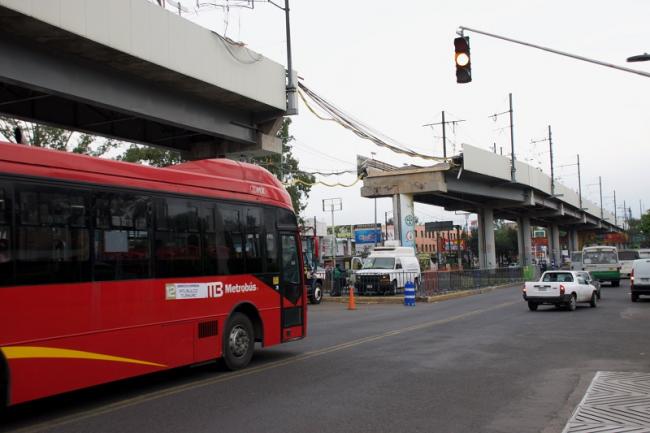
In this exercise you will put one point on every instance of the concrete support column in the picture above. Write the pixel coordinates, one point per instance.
(573, 240)
(486, 249)
(404, 219)
(555, 244)
(525, 242)
(528, 240)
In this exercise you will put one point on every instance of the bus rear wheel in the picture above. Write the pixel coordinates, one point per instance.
(616, 283)
(238, 342)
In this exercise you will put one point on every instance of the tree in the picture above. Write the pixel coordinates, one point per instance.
(644, 228)
(285, 168)
(54, 138)
(505, 240)
(153, 156)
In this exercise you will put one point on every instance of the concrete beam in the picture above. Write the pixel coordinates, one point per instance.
(478, 188)
(96, 96)
(390, 183)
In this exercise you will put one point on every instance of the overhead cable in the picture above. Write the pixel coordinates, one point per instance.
(347, 121)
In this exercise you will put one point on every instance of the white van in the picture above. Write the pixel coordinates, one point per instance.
(386, 270)
(640, 279)
(576, 260)
(627, 258)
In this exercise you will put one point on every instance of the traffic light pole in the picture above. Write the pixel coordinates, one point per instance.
(462, 29)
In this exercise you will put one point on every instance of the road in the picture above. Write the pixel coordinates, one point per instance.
(478, 364)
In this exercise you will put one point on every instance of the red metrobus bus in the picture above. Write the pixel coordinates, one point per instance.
(110, 270)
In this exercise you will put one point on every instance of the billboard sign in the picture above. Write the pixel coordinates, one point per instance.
(438, 226)
(367, 236)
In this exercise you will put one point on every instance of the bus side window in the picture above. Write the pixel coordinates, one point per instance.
(271, 244)
(6, 266)
(177, 241)
(233, 238)
(253, 227)
(122, 239)
(53, 238)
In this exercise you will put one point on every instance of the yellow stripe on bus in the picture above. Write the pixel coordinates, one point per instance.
(27, 352)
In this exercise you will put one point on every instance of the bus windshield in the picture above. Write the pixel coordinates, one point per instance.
(600, 257)
(628, 255)
(379, 263)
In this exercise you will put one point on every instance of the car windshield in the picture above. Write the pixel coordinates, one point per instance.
(600, 257)
(557, 277)
(379, 263)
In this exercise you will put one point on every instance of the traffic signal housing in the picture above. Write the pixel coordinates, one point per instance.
(463, 60)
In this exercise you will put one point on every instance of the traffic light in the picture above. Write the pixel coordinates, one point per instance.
(463, 61)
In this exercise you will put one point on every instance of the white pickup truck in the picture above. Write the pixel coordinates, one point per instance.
(560, 288)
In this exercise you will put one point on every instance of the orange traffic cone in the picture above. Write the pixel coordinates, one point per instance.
(352, 305)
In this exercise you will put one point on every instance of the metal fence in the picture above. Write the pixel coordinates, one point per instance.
(427, 283)
(437, 282)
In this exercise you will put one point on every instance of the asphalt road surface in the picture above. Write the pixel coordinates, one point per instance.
(478, 364)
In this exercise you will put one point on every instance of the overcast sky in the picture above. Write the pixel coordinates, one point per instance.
(390, 64)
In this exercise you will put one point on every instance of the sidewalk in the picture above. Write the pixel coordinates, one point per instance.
(399, 299)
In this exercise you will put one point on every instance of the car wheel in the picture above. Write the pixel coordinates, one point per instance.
(571, 306)
(532, 306)
(393, 288)
(598, 294)
(317, 296)
(238, 342)
(592, 302)
(634, 297)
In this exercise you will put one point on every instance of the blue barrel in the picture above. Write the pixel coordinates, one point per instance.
(409, 294)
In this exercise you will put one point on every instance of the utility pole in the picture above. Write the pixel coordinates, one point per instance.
(550, 146)
(627, 222)
(600, 187)
(513, 169)
(444, 124)
(579, 181)
(332, 205)
(615, 217)
(640, 209)
(375, 227)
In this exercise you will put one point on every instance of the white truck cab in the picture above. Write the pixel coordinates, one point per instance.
(560, 288)
(386, 270)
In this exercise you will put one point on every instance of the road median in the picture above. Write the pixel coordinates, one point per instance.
(399, 299)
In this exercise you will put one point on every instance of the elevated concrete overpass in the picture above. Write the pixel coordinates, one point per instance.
(131, 70)
(480, 182)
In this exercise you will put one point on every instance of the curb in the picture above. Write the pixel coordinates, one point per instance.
(399, 299)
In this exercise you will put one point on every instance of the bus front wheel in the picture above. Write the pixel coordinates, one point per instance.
(238, 342)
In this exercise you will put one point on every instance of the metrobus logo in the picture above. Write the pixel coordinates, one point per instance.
(217, 289)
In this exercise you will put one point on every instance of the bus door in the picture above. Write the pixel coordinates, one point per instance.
(291, 288)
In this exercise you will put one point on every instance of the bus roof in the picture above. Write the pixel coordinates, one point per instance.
(599, 248)
(221, 178)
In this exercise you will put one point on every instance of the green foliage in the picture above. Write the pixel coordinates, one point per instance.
(644, 228)
(55, 138)
(505, 240)
(150, 155)
(285, 168)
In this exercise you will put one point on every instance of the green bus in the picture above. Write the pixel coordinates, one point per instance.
(603, 264)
